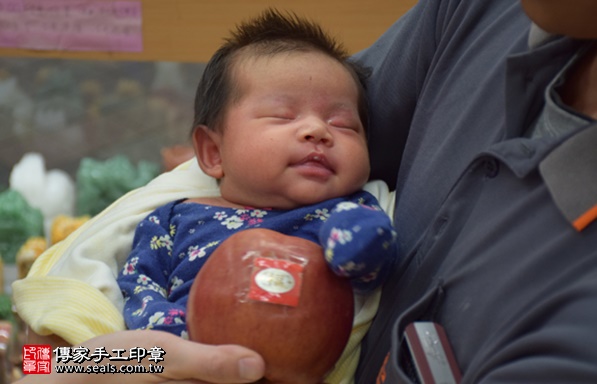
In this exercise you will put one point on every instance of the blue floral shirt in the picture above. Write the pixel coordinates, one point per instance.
(173, 242)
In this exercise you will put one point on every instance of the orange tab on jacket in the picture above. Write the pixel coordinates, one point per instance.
(570, 173)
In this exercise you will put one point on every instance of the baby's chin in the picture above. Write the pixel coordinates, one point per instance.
(306, 201)
(286, 201)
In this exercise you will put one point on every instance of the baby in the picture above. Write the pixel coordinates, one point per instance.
(280, 122)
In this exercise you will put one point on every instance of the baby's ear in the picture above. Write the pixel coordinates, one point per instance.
(207, 149)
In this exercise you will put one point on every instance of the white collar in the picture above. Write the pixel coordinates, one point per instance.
(538, 37)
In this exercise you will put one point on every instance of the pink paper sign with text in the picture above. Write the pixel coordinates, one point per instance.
(71, 25)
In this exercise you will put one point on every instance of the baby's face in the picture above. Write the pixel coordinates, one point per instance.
(294, 137)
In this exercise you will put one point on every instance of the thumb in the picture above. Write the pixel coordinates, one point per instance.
(214, 364)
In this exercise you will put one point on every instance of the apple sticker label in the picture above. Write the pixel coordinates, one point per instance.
(276, 281)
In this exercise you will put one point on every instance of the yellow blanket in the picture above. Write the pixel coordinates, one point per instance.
(71, 290)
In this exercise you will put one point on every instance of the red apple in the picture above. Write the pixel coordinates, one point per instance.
(300, 340)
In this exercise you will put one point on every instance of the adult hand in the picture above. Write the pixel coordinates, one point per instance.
(184, 361)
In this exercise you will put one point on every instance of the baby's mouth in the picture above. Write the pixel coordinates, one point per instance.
(315, 164)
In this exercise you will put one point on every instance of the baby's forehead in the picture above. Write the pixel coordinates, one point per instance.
(248, 59)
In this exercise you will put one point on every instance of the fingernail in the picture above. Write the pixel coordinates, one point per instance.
(250, 368)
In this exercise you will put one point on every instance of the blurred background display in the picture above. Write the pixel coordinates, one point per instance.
(68, 110)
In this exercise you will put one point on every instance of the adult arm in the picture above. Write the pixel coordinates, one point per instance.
(399, 61)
